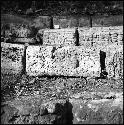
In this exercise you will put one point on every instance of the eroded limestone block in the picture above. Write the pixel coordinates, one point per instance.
(89, 62)
(67, 61)
(59, 37)
(11, 58)
(115, 20)
(114, 60)
(62, 21)
(70, 21)
(38, 58)
(42, 22)
(99, 37)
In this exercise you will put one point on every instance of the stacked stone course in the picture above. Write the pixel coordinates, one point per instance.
(59, 55)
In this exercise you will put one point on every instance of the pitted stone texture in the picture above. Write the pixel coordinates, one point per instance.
(71, 21)
(114, 60)
(19, 30)
(99, 37)
(89, 62)
(67, 61)
(42, 22)
(59, 37)
(24, 40)
(38, 58)
(115, 20)
(11, 58)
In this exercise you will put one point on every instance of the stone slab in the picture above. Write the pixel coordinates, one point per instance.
(42, 22)
(59, 37)
(11, 58)
(71, 21)
(115, 20)
(99, 37)
(67, 61)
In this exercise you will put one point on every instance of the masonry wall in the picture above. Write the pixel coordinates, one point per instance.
(59, 54)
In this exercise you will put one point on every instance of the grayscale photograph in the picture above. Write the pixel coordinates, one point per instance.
(61, 62)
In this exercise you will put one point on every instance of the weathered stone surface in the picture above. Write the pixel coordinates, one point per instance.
(114, 60)
(38, 58)
(24, 40)
(67, 61)
(70, 21)
(116, 20)
(99, 37)
(11, 58)
(89, 64)
(62, 21)
(42, 22)
(59, 37)
(84, 22)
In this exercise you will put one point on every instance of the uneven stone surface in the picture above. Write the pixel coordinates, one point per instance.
(114, 20)
(11, 58)
(100, 37)
(70, 22)
(41, 22)
(114, 60)
(59, 37)
(67, 61)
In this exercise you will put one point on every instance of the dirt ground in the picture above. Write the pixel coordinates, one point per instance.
(24, 88)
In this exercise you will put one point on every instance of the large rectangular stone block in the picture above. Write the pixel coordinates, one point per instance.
(116, 20)
(42, 22)
(62, 21)
(100, 37)
(67, 61)
(71, 21)
(59, 37)
(11, 58)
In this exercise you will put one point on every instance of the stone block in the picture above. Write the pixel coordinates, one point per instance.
(107, 20)
(59, 37)
(114, 60)
(11, 58)
(62, 21)
(99, 37)
(42, 22)
(84, 22)
(67, 61)
(70, 21)
(38, 58)
(89, 62)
